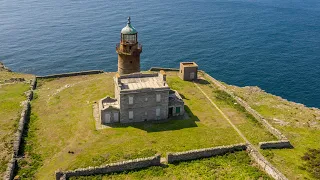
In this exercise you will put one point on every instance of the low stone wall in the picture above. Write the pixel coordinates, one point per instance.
(8, 175)
(275, 144)
(109, 168)
(254, 113)
(19, 133)
(18, 136)
(203, 153)
(71, 74)
(264, 164)
(165, 69)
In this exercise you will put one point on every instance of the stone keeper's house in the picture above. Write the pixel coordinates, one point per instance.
(140, 97)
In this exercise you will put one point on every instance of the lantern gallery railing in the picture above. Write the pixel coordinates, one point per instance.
(129, 50)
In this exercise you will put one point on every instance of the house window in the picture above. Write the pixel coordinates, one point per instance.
(130, 99)
(177, 110)
(158, 112)
(107, 118)
(130, 114)
(158, 97)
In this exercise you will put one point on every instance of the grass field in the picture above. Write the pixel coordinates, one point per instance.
(11, 96)
(4, 75)
(300, 125)
(62, 132)
(247, 124)
(231, 166)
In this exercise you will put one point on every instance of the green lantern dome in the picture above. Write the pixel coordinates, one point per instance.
(129, 29)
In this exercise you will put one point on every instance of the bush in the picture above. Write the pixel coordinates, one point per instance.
(312, 162)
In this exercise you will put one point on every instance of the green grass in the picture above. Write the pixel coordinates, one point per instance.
(63, 122)
(7, 75)
(311, 162)
(245, 122)
(298, 123)
(230, 166)
(10, 98)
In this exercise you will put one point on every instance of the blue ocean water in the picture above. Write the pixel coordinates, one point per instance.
(268, 43)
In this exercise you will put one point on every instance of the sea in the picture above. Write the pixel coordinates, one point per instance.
(273, 44)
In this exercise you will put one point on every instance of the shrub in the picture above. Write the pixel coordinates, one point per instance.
(312, 162)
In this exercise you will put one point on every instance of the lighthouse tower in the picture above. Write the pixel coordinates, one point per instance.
(128, 50)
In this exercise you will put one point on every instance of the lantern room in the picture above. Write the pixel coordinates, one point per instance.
(129, 34)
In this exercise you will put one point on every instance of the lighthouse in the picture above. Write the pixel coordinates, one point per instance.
(128, 50)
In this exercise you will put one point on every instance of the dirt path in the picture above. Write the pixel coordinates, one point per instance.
(224, 115)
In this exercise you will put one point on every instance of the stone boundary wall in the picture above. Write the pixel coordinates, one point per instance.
(71, 74)
(254, 113)
(113, 167)
(203, 153)
(264, 164)
(165, 69)
(275, 144)
(18, 136)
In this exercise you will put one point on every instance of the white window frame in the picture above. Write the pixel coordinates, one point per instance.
(130, 99)
(158, 111)
(158, 97)
(130, 114)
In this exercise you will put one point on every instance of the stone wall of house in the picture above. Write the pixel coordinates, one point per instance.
(144, 106)
(254, 113)
(18, 136)
(71, 74)
(275, 144)
(264, 164)
(114, 167)
(203, 153)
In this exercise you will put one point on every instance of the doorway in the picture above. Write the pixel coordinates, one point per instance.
(170, 111)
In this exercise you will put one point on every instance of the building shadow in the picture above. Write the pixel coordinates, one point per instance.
(183, 97)
(173, 123)
(201, 81)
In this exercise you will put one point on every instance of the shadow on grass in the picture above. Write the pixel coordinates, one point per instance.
(202, 81)
(173, 123)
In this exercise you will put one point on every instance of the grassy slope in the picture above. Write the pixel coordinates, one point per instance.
(11, 95)
(7, 75)
(62, 121)
(247, 124)
(230, 166)
(299, 123)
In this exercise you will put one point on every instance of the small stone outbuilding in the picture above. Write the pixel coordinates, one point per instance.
(188, 71)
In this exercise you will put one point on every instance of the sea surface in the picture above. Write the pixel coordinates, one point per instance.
(273, 44)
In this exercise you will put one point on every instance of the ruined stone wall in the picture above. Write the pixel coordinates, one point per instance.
(18, 136)
(114, 167)
(71, 74)
(203, 153)
(264, 164)
(254, 113)
(275, 144)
